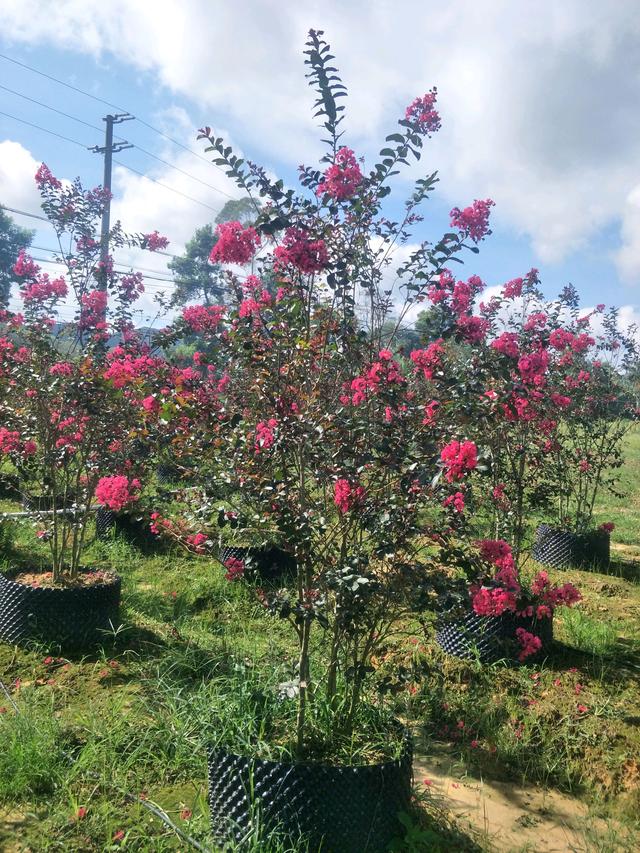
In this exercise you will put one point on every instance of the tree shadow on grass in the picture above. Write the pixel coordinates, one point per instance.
(618, 666)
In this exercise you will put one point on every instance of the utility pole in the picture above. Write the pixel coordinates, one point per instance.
(108, 151)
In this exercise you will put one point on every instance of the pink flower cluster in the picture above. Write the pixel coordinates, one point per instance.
(297, 250)
(45, 178)
(117, 492)
(473, 220)
(459, 458)
(532, 367)
(473, 329)
(9, 441)
(154, 242)
(43, 289)
(236, 245)
(385, 371)
(203, 318)
(265, 434)
(125, 368)
(342, 179)
(530, 644)
(346, 496)
(428, 360)
(421, 112)
(456, 501)
(507, 344)
(235, 569)
(25, 266)
(93, 309)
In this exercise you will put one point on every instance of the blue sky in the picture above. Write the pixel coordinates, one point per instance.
(539, 108)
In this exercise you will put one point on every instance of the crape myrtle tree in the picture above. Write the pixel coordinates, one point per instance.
(71, 419)
(329, 439)
(541, 386)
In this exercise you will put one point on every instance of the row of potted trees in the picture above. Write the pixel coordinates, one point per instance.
(385, 479)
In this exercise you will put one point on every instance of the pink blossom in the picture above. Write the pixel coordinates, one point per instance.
(25, 266)
(43, 289)
(530, 644)
(342, 179)
(154, 242)
(308, 256)
(117, 491)
(61, 368)
(473, 220)
(428, 360)
(507, 344)
(513, 288)
(203, 318)
(265, 434)
(421, 113)
(456, 501)
(93, 308)
(45, 178)
(236, 245)
(9, 441)
(235, 569)
(458, 458)
(151, 404)
(473, 329)
(345, 496)
(608, 527)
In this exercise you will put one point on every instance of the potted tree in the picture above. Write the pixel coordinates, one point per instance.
(587, 457)
(325, 436)
(508, 618)
(69, 419)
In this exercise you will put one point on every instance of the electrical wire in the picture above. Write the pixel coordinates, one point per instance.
(45, 130)
(167, 187)
(113, 106)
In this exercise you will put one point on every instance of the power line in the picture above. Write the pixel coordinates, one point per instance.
(113, 106)
(44, 129)
(44, 219)
(166, 186)
(53, 109)
(138, 147)
(61, 82)
(178, 169)
(119, 162)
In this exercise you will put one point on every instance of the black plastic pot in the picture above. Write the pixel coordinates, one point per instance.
(269, 563)
(492, 638)
(564, 549)
(71, 617)
(134, 529)
(335, 809)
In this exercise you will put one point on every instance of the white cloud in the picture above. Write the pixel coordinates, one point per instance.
(537, 97)
(17, 186)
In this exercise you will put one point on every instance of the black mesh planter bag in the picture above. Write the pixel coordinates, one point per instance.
(134, 529)
(71, 617)
(269, 563)
(492, 638)
(563, 549)
(336, 809)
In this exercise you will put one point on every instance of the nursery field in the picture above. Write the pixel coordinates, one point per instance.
(530, 758)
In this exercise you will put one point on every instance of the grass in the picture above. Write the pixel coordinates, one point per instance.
(193, 663)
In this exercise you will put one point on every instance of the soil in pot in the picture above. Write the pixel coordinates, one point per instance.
(335, 809)
(71, 613)
(563, 549)
(492, 638)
